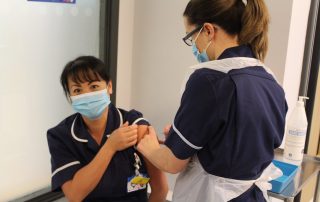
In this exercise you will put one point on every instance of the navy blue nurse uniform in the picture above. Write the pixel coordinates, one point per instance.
(72, 147)
(232, 121)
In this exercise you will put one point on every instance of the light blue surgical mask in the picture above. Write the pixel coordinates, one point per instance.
(201, 57)
(91, 105)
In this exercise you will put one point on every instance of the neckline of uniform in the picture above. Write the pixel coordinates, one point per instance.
(78, 125)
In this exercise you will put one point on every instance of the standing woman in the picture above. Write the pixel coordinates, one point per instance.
(92, 153)
(232, 111)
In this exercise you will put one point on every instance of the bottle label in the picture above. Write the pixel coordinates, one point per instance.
(298, 133)
(296, 137)
(294, 144)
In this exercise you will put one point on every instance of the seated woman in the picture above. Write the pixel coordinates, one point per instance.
(92, 151)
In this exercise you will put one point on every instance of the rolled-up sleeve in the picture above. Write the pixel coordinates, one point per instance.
(136, 117)
(193, 121)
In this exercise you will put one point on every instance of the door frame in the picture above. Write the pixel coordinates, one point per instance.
(108, 50)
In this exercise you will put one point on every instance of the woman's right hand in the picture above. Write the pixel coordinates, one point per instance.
(123, 137)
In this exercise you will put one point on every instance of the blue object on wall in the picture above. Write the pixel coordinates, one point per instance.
(56, 1)
(289, 171)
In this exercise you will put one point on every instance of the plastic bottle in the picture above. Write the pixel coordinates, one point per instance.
(296, 132)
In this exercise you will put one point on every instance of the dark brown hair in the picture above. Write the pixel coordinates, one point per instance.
(250, 22)
(83, 69)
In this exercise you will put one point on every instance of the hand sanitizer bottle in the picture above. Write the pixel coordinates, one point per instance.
(296, 132)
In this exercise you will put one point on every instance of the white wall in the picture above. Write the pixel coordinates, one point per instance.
(288, 29)
(294, 57)
(280, 15)
(160, 59)
(125, 52)
(36, 41)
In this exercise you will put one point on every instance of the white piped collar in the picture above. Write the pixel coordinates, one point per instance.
(85, 140)
(74, 135)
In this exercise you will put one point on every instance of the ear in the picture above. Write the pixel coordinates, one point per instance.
(209, 30)
(109, 87)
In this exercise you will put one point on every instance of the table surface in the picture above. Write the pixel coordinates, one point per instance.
(309, 168)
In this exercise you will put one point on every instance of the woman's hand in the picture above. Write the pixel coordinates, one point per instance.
(123, 137)
(160, 157)
(149, 143)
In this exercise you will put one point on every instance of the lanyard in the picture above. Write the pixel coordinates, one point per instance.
(137, 163)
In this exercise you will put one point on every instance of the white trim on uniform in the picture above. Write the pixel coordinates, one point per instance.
(74, 135)
(121, 118)
(139, 119)
(184, 139)
(121, 122)
(64, 167)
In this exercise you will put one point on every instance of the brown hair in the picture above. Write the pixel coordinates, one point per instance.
(82, 69)
(250, 22)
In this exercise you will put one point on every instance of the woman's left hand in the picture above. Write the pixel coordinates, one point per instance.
(149, 143)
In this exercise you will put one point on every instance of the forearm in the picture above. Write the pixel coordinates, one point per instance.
(87, 178)
(165, 160)
(161, 157)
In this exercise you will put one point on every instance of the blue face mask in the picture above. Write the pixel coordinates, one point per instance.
(92, 104)
(201, 57)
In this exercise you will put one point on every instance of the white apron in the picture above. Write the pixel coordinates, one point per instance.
(225, 65)
(194, 184)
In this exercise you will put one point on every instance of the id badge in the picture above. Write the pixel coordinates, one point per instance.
(137, 182)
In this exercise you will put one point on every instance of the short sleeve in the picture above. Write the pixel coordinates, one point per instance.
(63, 163)
(136, 117)
(194, 119)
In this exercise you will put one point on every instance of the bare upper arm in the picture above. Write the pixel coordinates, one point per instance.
(157, 177)
(175, 165)
(66, 188)
(142, 131)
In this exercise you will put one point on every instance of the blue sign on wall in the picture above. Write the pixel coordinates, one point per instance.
(57, 1)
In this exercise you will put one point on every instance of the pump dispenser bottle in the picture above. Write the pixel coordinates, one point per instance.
(296, 132)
